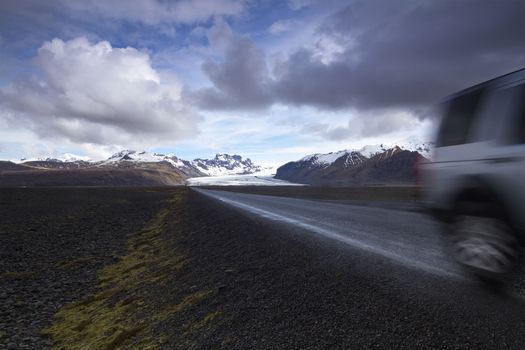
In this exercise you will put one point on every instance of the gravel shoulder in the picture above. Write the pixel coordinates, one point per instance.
(52, 243)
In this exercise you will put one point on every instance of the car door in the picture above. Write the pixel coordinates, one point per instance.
(457, 154)
(504, 154)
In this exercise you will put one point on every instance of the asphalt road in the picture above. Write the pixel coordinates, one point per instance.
(406, 238)
(400, 250)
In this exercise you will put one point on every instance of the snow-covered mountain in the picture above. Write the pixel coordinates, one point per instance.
(65, 158)
(131, 158)
(366, 165)
(220, 165)
(356, 156)
(351, 156)
(423, 148)
(225, 164)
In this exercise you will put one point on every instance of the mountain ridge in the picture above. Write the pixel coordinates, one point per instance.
(221, 164)
(124, 168)
(369, 165)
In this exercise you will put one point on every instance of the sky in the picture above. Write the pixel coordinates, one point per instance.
(269, 80)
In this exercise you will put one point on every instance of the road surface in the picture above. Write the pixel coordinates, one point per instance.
(370, 272)
(404, 237)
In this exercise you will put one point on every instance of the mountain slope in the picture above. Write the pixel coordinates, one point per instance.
(221, 164)
(57, 164)
(225, 164)
(89, 177)
(125, 168)
(10, 166)
(133, 159)
(354, 167)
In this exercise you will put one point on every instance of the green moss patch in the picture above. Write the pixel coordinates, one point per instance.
(75, 262)
(121, 313)
(17, 274)
(189, 301)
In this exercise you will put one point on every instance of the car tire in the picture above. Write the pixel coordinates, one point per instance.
(483, 242)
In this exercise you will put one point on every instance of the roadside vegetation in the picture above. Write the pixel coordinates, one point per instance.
(125, 311)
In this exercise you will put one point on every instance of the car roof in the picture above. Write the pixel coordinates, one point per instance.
(504, 79)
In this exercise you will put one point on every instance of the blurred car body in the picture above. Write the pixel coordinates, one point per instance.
(475, 182)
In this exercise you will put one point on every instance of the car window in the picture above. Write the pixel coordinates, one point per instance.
(458, 118)
(519, 117)
(498, 115)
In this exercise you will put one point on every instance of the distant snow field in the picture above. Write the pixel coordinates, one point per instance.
(239, 180)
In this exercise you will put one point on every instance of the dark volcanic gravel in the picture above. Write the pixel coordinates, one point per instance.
(52, 242)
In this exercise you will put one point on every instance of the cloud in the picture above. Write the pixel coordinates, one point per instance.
(153, 12)
(155, 24)
(94, 93)
(364, 124)
(149, 12)
(299, 4)
(282, 26)
(240, 80)
(374, 55)
(406, 54)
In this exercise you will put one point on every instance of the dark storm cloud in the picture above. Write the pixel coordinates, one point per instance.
(241, 80)
(409, 52)
(380, 54)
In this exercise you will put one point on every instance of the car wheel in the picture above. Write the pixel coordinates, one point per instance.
(485, 245)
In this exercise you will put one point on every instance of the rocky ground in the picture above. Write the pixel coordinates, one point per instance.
(52, 242)
(173, 269)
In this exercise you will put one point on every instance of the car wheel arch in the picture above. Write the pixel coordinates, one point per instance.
(477, 189)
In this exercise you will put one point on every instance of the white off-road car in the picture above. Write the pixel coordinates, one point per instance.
(475, 182)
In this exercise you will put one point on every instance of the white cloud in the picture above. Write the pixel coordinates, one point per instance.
(357, 127)
(329, 49)
(282, 26)
(94, 93)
